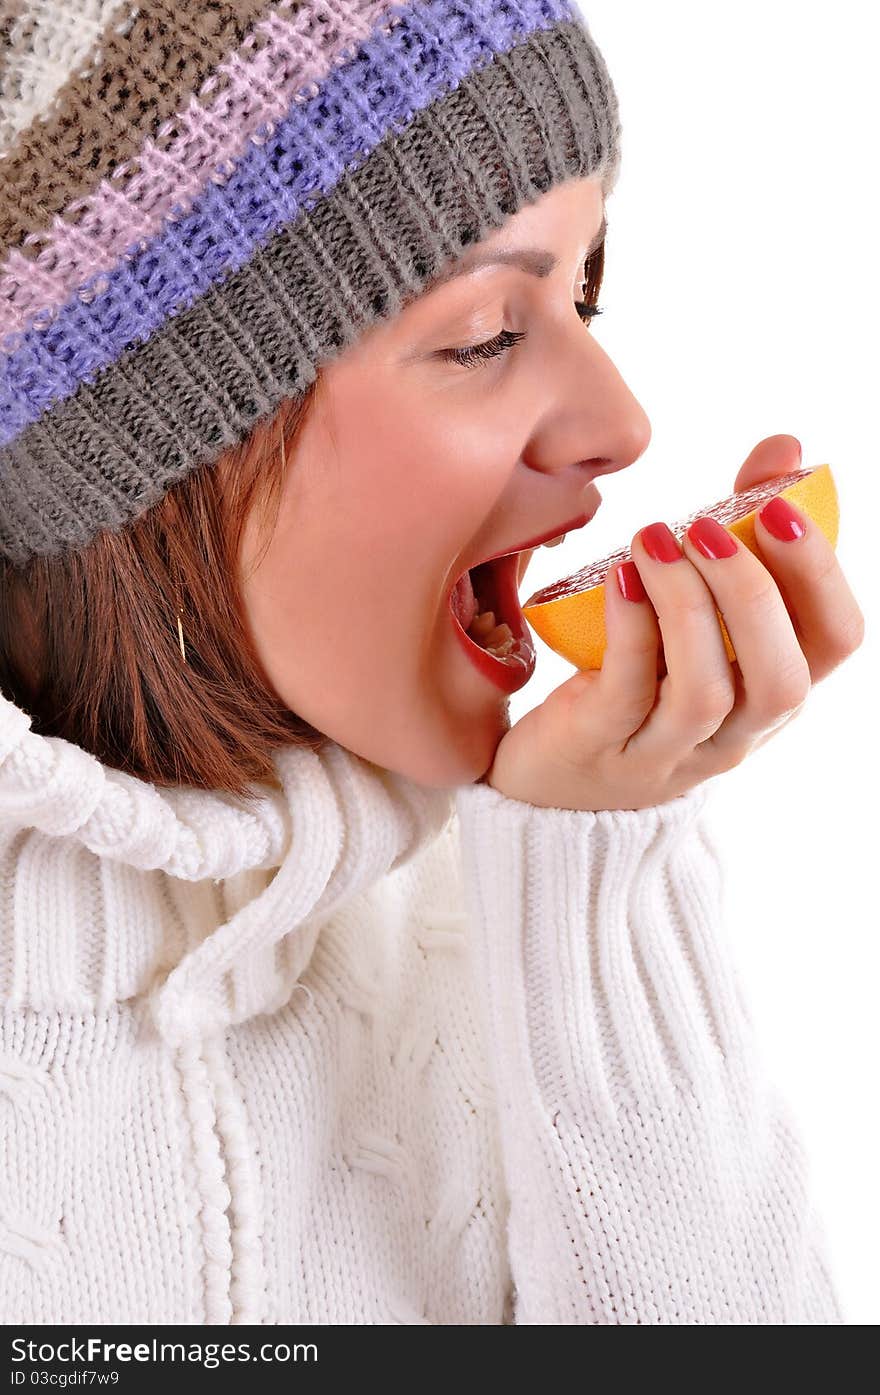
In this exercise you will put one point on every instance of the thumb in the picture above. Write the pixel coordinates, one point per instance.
(774, 456)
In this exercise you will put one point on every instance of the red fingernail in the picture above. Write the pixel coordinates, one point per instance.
(629, 582)
(660, 543)
(783, 521)
(709, 538)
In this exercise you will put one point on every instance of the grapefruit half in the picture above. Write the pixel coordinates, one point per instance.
(569, 615)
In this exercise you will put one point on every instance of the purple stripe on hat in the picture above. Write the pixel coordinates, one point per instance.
(434, 47)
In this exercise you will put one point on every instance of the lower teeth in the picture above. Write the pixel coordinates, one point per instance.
(497, 640)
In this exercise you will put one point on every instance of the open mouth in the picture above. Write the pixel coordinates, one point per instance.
(490, 625)
(485, 603)
(487, 615)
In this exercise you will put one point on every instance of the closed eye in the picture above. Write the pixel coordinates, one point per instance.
(477, 353)
(587, 308)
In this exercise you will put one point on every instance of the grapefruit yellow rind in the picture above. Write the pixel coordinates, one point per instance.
(573, 624)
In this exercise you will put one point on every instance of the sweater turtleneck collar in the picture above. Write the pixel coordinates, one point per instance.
(93, 862)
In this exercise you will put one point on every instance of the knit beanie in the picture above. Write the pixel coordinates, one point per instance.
(201, 203)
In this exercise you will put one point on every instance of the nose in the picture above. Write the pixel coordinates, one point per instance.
(593, 417)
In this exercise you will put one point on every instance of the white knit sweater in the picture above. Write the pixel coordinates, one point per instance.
(375, 1053)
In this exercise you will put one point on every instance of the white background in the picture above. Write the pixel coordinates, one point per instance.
(741, 300)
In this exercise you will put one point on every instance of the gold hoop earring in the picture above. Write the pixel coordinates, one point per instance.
(179, 619)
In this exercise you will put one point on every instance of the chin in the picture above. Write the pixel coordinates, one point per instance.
(446, 765)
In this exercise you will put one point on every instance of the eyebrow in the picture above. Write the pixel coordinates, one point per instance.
(534, 260)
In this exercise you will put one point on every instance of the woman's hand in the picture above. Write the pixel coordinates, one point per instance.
(618, 738)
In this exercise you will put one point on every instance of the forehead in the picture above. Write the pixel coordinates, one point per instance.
(537, 261)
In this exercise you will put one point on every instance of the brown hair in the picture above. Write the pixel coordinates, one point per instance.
(89, 643)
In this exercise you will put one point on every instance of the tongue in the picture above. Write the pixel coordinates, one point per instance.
(464, 602)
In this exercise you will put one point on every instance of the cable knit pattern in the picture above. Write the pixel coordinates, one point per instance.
(672, 1185)
(367, 1052)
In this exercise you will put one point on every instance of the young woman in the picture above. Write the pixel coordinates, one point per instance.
(327, 996)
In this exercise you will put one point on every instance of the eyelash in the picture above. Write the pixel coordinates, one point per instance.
(475, 353)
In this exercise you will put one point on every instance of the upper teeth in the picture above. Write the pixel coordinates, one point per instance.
(554, 542)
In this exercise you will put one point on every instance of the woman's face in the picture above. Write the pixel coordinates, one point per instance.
(409, 469)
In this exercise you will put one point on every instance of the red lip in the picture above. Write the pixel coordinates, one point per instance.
(579, 522)
(590, 502)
